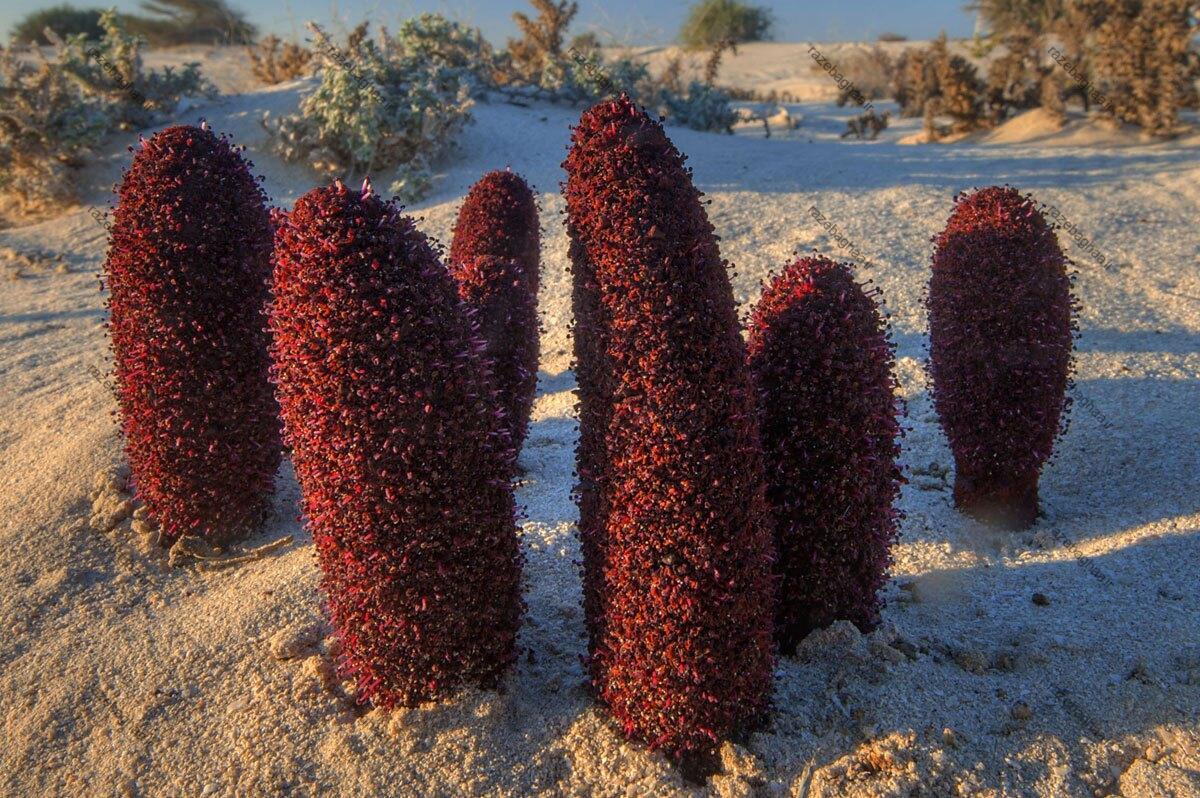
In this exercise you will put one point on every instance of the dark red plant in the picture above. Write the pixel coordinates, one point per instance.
(494, 259)
(822, 363)
(188, 261)
(404, 473)
(675, 535)
(499, 218)
(1001, 331)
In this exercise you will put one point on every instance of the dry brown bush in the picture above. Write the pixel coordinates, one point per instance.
(276, 61)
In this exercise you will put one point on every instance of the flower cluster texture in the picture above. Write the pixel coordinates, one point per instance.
(188, 262)
(676, 539)
(388, 407)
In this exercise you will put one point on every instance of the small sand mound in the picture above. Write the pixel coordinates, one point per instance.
(1041, 127)
(1048, 129)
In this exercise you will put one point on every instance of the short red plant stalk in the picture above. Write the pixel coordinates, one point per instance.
(494, 259)
(1001, 323)
(822, 364)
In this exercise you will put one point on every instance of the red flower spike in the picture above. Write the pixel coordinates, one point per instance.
(403, 471)
(677, 549)
(187, 267)
(1001, 328)
(822, 364)
(494, 258)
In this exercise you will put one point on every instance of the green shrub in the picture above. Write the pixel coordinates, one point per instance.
(712, 21)
(378, 106)
(54, 111)
(64, 19)
(704, 107)
(433, 39)
(189, 21)
(110, 69)
(46, 129)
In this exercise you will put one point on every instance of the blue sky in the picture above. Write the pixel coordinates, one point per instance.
(630, 21)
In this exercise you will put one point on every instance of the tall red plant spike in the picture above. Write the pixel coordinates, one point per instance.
(673, 516)
(494, 258)
(1001, 332)
(822, 363)
(404, 474)
(188, 260)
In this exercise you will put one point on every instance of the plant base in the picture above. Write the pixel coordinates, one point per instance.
(1010, 504)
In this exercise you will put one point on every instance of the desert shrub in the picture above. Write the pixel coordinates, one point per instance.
(716, 54)
(536, 66)
(377, 107)
(958, 93)
(671, 76)
(188, 261)
(1015, 79)
(673, 524)
(541, 37)
(913, 82)
(711, 21)
(888, 36)
(1131, 57)
(1142, 60)
(54, 111)
(189, 21)
(700, 105)
(1007, 17)
(433, 39)
(586, 44)
(495, 260)
(403, 474)
(867, 126)
(1001, 333)
(1073, 27)
(110, 70)
(934, 82)
(63, 19)
(868, 75)
(578, 78)
(276, 61)
(46, 129)
(822, 365)
(1022, 77)
(702, 108)
(773, 96)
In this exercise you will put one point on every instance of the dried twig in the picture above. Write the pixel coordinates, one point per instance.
(184, 550)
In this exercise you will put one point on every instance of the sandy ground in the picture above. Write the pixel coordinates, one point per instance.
(1064, 661)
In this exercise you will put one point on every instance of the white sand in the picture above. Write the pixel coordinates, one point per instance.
(782, 67)
(120, 675)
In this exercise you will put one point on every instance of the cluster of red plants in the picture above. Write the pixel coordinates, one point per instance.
(1001, 331)
(674, 522)
(188, 261)
(821, 361)
(494, 258)
(397, 445)
(725, 491)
